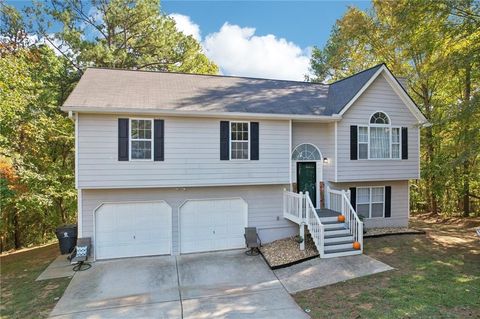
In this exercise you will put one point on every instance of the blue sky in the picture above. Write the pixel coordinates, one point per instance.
(306, 23)
(268, 39)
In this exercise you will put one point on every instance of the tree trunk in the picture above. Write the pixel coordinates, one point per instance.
(466, 166)
(16, 231)
(430, 148)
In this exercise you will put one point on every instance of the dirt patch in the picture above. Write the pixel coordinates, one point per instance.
(450, 232)
(287, 251)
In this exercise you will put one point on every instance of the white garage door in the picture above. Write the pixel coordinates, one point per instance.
(207, 225)
(133, 229)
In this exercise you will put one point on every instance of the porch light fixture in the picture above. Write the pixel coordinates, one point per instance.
(325, 160)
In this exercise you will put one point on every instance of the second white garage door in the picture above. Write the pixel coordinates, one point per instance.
(208, 225)
(133, 229)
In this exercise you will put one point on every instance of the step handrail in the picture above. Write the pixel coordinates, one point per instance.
(314, 225)
(353, 222)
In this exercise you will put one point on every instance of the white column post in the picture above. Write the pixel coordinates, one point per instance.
(360, 235)
(304, 216)
(307, 196)
(300, 208)
(327, 197)
(302, 235)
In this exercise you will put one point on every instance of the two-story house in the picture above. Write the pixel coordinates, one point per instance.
(170, 163)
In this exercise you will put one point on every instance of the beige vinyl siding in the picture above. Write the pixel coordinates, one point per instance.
(192, 156)
(399, 205)
(378, 97)
(322, 136)
(265, 210)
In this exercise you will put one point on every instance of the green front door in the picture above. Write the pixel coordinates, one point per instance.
(307, 179)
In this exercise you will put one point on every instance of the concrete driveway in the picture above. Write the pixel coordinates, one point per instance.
(211, 285)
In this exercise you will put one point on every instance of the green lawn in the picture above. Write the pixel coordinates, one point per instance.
(437, 276)
(21, 295)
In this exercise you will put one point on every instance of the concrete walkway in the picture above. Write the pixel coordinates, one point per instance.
(211, 285)
(322, 272)
(59, 268)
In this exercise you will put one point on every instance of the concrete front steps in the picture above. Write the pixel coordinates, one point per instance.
(338, 241)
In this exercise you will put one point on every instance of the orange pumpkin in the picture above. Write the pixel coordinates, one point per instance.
(341, 218)
(356, 245)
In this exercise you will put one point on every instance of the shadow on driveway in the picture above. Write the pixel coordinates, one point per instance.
(210, 285)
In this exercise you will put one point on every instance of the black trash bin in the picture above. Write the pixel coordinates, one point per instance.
(67, 238)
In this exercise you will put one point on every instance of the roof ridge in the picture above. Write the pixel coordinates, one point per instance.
(209, 75)
(358, 73)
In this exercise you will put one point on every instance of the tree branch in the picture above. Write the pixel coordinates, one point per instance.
(62, 53)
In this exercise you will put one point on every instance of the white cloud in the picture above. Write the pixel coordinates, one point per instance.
(186, 25)
(238, 51)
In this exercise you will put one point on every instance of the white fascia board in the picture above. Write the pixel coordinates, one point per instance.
(398, 90)
(137, 111)
(75, 119)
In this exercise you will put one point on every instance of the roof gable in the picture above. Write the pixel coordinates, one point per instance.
(396, 87)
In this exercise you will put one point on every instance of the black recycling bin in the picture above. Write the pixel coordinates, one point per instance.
(67, 238)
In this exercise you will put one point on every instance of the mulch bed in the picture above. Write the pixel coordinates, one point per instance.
(286, 252)
(390, 231)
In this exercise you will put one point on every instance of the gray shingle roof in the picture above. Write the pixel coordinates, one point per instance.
(117, 89)
(342, 91)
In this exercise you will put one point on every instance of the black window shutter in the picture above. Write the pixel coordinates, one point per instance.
(224, 140)
(353, 142)
(158, 140)
(404, 143)
(353, 197)
(388, 201)
(254, 145)
(123, 139)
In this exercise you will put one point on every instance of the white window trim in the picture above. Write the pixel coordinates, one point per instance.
(390, 127)
(370, 201)
(141, 139)
(230, 140)
(399, 142)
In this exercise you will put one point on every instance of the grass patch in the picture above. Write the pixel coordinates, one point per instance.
(21, 295)
(436, 276)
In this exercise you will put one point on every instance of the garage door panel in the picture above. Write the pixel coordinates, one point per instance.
(132, 229)
(208, 225)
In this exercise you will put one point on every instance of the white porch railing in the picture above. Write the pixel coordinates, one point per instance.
(315, 226)
(293, 206)
(339, 201)
(298, 207)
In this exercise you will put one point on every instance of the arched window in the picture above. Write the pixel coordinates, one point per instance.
(306, 152)
(379, 118)
(379, 140)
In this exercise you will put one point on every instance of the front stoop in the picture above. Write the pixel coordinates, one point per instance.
(338, 241)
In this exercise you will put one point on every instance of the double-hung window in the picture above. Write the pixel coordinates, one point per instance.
(239, 140)
(379, 140)
(371, 202)
(141, 139)
(395, 142)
